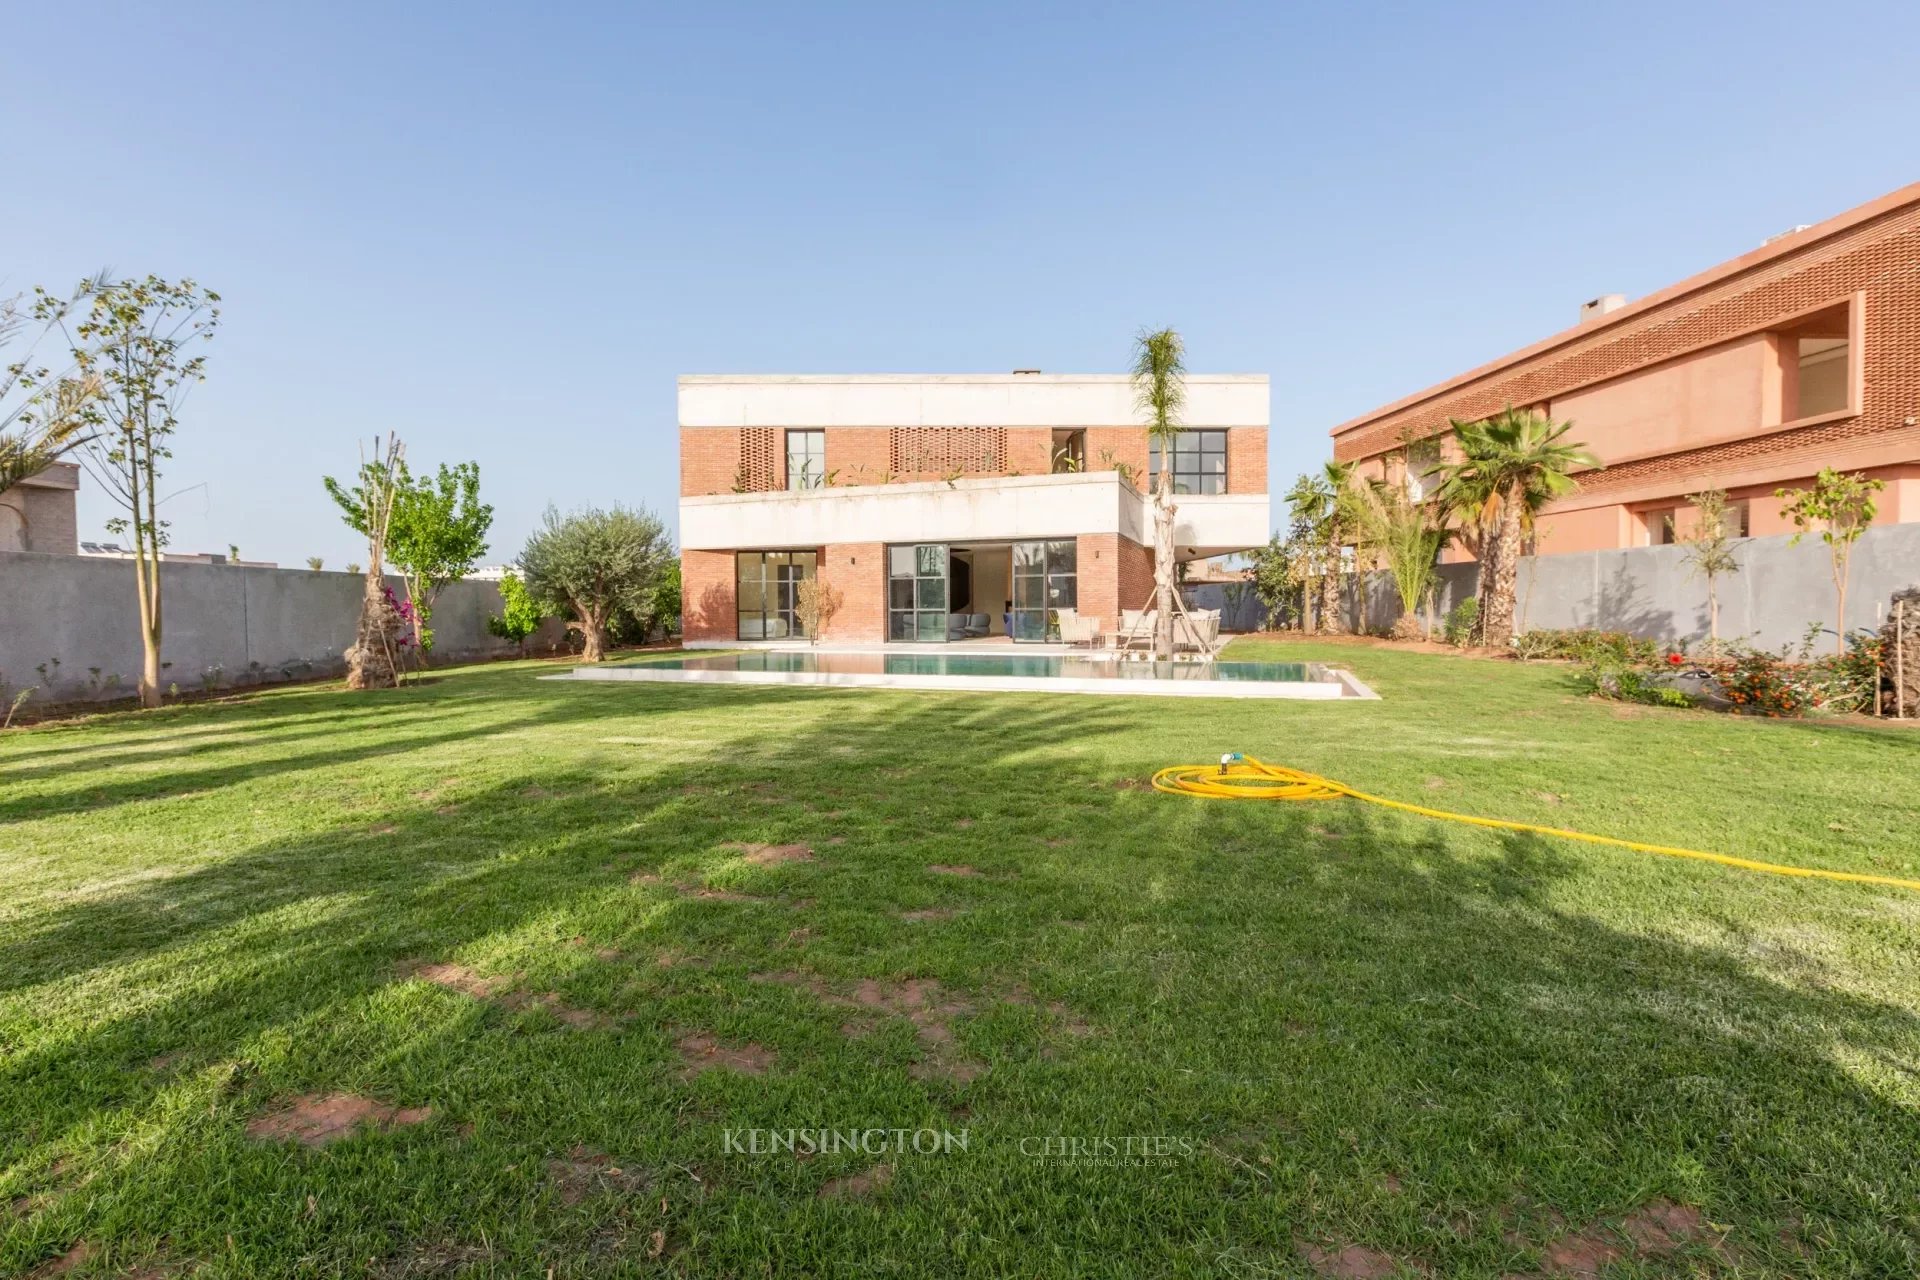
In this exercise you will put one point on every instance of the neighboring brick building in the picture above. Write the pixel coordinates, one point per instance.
(1803, 354)
(948, 506)
(38, 513)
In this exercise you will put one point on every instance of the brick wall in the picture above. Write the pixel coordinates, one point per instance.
(709, 459)
(708, 608)
(1247, 460)
(1115, 573)
(1880, 257)
(858, 572)
(714, 459)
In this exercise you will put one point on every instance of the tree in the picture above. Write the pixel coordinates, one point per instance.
(591, 562)
(42, 414)
(381, 636)
(437, 533)
(1709, 553)
(1407, 536)
(1160, 393)
(815, 603)
(1276, 580)
(1326, 502)
(316, 563)
(1842, 506)
(1511, 464)
(520, 614)
(663, 599)
(136, 340)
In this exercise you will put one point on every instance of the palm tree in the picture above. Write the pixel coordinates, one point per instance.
(1327, 501)
(1160, 393)
(1512, 464)
(48, 429)
(1408, 536)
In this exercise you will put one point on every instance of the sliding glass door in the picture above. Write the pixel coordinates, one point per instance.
(767, 592)
(1046, 579)
(917, 591)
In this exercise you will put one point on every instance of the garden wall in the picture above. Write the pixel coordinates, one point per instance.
(1649, 591)
(224, 624)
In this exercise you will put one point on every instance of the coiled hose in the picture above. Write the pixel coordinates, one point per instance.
(1241, 777)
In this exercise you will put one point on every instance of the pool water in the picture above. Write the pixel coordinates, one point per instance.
(1036, 666)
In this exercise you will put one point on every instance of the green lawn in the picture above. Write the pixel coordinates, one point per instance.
(543, 911)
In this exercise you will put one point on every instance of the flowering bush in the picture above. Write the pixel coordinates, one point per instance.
(1765, 684)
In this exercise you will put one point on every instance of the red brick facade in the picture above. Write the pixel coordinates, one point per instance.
(1116, 573)
(1864, 265)
(753, 459)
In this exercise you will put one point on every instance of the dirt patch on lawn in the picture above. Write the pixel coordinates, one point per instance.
(457, 977)
(700, 1052)
(1348, 1261)
(921, 1001)
(314, 1120)
(428, 1260)
(770, 855)
(1654, 1230)
(585, 1171)
(928, 913)
(864, 1183)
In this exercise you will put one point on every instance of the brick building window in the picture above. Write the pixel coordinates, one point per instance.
(1199, 462)
(806, 459)
(767, 592)
(1659, 526)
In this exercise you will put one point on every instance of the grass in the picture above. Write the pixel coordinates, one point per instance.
(1422, 1044)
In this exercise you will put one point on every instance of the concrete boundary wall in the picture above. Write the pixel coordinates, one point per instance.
(1778, 593)
(223, 625)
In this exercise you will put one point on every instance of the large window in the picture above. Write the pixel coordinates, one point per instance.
(806, 459)
(917, 592)
(1199, 462)
(1046, 579)
(767, 592)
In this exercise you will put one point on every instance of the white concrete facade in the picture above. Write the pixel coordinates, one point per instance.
(956, 400)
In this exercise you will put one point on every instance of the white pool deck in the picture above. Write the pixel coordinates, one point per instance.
(1337, 686)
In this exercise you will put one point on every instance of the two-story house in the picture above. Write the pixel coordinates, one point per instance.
(949, 507)
(1800, 354)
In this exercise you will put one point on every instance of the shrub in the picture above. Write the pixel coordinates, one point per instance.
(1584, 644)
(1759, 683)
(1624, 682)
(1461, 620)
(1849, 681)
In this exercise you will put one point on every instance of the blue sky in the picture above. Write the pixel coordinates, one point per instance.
(503, 231)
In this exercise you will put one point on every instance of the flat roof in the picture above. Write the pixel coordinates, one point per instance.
(1778, 247)
(904, 379)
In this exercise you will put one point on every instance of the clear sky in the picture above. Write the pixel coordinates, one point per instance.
(503, 230)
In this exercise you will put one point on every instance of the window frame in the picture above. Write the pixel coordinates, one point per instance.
(784, 592)
(813, 467)
(1191, 461)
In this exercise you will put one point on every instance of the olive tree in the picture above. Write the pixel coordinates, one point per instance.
(589, 563)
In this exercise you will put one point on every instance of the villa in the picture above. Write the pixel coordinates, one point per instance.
(949, 508)
(1801, 354)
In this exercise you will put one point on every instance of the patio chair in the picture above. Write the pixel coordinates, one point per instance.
(1136, 628)
(977, 626)
(1076, 630)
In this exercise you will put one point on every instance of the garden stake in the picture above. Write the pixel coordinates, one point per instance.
(1241, 777)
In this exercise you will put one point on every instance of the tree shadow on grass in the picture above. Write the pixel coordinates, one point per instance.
(1328, 995)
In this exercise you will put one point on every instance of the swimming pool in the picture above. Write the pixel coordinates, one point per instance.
(1004, 672)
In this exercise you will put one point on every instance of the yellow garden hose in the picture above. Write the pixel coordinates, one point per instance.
(1239, 777)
